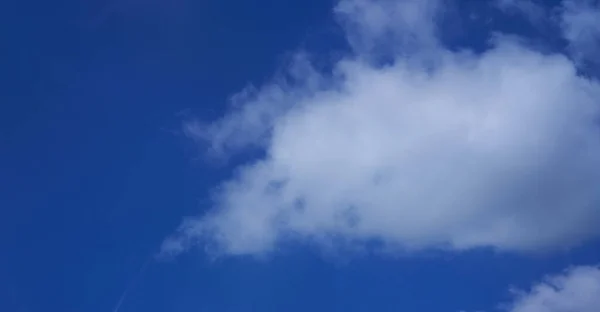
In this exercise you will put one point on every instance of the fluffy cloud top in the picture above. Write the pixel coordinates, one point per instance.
(576, 290)
(436, 149)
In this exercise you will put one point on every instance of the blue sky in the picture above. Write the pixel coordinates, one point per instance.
(300, 156)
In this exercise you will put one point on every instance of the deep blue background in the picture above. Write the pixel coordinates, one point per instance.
(94, 170)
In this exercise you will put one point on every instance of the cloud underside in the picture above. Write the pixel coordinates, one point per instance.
(577, 289)
(433, 149)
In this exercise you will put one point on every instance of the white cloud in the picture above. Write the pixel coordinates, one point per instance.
(577, 289)
(451, 150)
(580, 21)
(577, 20)
(389, 26)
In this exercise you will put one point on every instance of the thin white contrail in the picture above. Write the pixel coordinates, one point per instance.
(131, 284)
